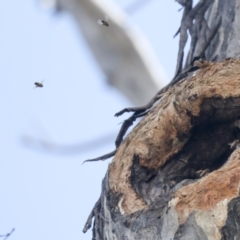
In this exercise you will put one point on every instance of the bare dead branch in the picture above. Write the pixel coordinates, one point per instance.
(7, 235)
(102, 158)
(125, 126)
(141, 109)
(52, 147)
(178, 31)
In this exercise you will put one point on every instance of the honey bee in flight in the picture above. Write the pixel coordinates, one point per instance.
(38, 84)
(104, 22)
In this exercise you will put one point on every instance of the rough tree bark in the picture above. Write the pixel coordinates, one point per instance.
(177, 174)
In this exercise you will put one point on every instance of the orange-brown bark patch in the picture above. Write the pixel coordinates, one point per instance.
(165, 130)
(211, 189)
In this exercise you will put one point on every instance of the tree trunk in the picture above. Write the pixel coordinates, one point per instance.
(177, 174)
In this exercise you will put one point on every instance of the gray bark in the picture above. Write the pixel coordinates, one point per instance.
(176, 175)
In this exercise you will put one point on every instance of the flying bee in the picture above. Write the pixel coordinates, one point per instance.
(39, 84)
(104, 22)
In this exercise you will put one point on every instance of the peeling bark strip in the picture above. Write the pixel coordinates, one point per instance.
(176, 173)
(209, 20)
(193, 21)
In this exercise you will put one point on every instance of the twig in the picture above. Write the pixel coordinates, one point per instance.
(178, 31)
(141, 109)
(93, 213)
(125, 126)
(7, 235)
(77, 148)
(102, 158)
(158, 95)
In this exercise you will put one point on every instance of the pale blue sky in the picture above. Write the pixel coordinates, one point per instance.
(44, 195)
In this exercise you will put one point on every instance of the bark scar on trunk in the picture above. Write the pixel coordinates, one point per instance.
(166, 129)
(208, 198)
